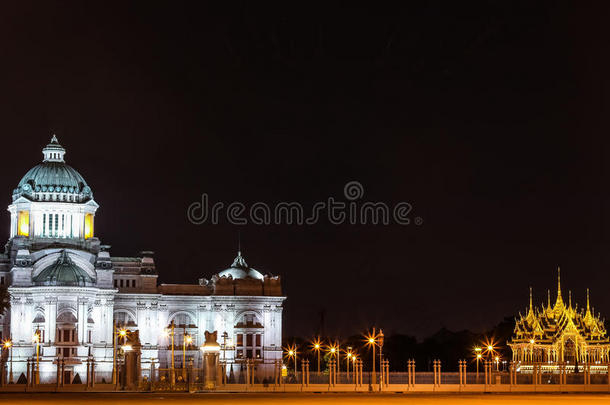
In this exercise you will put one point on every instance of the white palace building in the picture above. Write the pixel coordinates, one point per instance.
(66, 288)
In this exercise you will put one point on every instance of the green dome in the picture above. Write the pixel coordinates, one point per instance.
(53, 175)
(63, 272)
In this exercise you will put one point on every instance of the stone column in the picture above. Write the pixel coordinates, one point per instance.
(82, 319)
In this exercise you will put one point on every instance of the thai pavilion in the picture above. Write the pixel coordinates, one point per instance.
(560, 333)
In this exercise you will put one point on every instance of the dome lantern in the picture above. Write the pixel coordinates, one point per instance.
(53, 152)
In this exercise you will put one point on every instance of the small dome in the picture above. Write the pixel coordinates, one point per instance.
(53, 175)
(240, 269)
(63, 272)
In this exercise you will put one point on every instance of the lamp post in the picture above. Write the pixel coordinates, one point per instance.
(115, 334)
(317, 346)
(8, 345)
(37, 341)
(371, 340)
(225, 336)
(348, 357)
(171, 332)
(478, 355)
(338, 359)
(380, 338)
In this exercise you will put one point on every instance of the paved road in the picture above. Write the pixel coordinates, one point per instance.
(305, 399)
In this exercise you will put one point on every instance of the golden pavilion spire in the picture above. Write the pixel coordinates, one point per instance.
(559, 302)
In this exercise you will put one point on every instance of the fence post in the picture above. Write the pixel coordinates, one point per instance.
(411, 375)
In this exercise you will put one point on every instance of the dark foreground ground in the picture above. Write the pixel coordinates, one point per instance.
(286, 399)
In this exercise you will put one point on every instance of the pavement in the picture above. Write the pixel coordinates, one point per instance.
(303, 399)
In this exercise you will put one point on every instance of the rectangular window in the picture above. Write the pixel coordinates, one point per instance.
(116, 283)
(89, 336)
(249, 339)
(258, 353)
(121, 283)
(88, 226)
(240, 354)
(56, 224)
(63, 225)
(44, 224)
(240, 339)
(23, 223)
(249, 353)
(258, 340)
(50, 233)
(2, 280)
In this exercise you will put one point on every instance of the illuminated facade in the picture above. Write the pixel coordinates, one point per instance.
(560, 333)
(67, 289)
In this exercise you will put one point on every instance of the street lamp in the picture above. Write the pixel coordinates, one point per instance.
(291, 352)
(8, 345)
(317, 346)
(478, 356)
(118, 332)
(36, 339)
(347, 359)
(371, 341)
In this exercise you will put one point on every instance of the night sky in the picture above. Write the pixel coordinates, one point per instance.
(490, 118)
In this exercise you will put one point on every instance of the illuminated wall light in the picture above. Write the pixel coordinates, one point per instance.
(23, 223)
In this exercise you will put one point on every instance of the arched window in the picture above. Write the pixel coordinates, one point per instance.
(123, 318)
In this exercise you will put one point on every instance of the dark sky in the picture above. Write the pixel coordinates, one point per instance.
(490, 118)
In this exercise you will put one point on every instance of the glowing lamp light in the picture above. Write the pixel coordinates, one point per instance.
(7, 344)
(316, 346)
(532, 341)
(290, 353)
(371, 340)
(490, 348)
(479, 355)
(189, 339)
(122, 333)
(332, 350)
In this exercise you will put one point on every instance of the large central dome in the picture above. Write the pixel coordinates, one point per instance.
(53, 179)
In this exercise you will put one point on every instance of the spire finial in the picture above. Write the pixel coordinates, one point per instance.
(54, 139)
(239, 243)
(531, 302)
(570, 298)
(548, 298)
(587, 300)
(558, 281)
